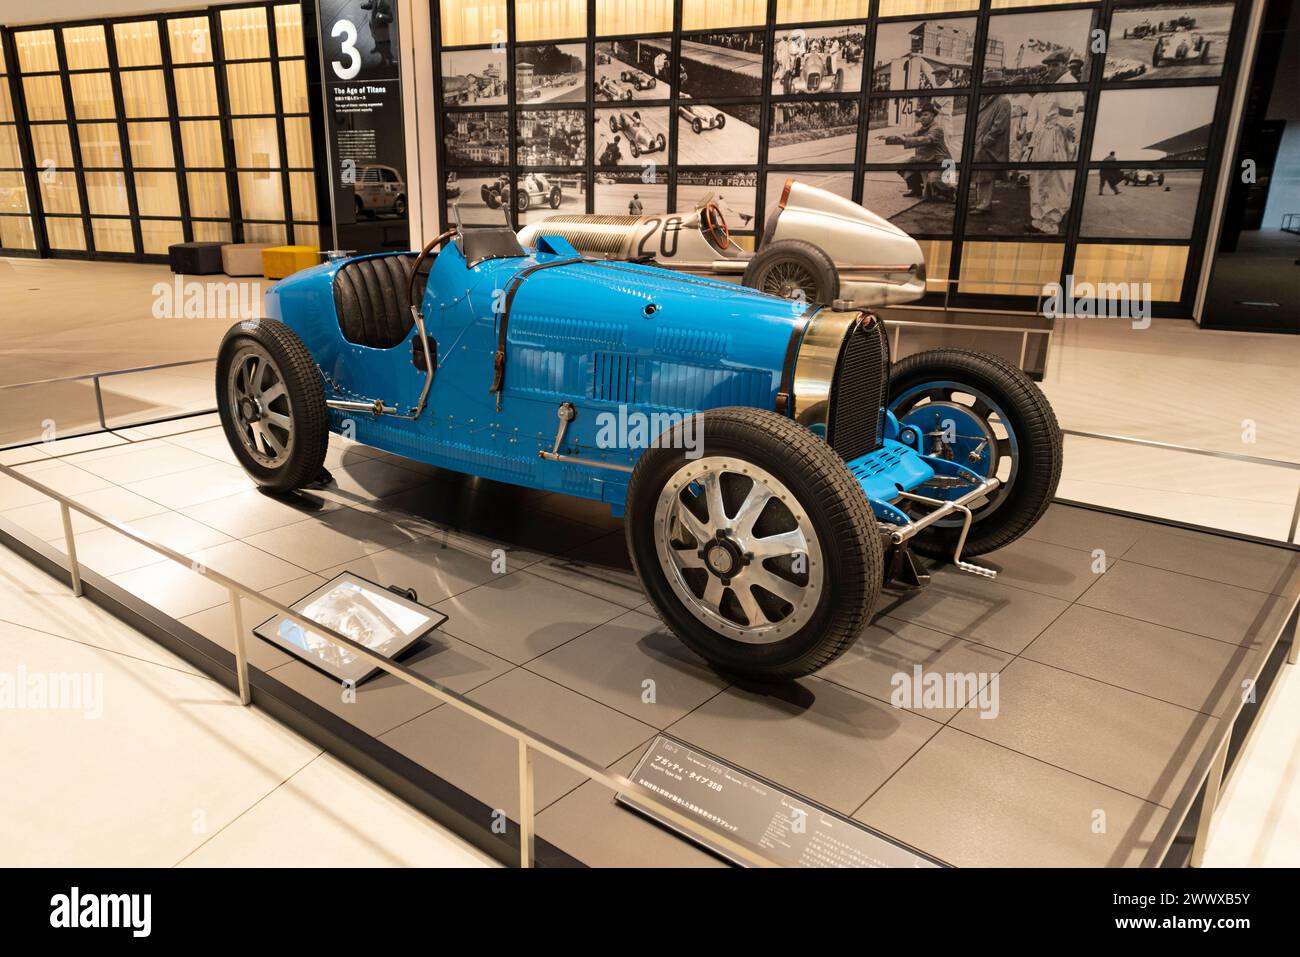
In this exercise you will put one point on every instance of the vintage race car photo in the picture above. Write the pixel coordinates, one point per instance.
(770, 484)
(1143, 177)
(702, 118)
(817, 246)
(641, 81)
(1180, 47)
(612, 89)
(639, 139)
(530, 190)
(453, 186)
(814, 73)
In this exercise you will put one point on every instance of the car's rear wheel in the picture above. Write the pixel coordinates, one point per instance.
(399, 206)
(721, 121)
(697, 125)
(556, 197)
(760, 551)
(794, 269)
(982, 412)
(271, 404)
(522, 200)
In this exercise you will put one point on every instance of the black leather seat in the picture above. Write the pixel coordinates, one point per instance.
(370, 296)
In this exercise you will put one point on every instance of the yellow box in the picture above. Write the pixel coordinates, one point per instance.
(281, 261)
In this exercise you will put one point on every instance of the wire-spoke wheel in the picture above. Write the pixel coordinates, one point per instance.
(754, 542)
(790, 280)
(272, 404)
(794, 269)
(738, 555)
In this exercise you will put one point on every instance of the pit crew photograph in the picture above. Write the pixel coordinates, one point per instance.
(928, 173)
(551, 137)
(818, 59)
(633, 69)
(1027, 48)
(631, 137)
(474, 77)
(924, 54)
(1152, 203)
(938, 121)
(887, 193)
(807, 131)
(1168, 41)
(550, 73)
(724, 135)
(627, 192)
(722, 64)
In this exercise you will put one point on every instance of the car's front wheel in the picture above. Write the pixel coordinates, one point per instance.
(754, 542)
(794, 269)
(271, 404)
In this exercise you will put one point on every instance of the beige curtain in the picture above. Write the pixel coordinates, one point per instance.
(144, 93)
(243, 33)
(633, 16)
(137, 43)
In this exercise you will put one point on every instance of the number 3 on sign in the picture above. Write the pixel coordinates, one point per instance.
(348, 31)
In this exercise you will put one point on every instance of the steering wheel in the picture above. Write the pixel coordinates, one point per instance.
(419, 261)
(714, 226)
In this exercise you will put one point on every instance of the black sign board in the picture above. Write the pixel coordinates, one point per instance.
(363, 111)
(783, 827)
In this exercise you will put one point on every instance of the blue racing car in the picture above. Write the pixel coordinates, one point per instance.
(772, 466)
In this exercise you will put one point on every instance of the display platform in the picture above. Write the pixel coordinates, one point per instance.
(1122, 650)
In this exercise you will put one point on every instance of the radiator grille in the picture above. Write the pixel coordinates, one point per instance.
(860, 391)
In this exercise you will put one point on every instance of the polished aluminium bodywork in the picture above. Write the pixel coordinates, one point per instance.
(878, 263)
(523, 394)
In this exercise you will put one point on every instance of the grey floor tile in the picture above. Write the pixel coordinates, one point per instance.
(520, 616)
(1123, 739)
(590, 826)
(108, 552)
(435, 570)
(585, 510)
(173, 589)
(371, 478)
(614, 662)
(331, 538)
(1207, 608)
(1184, 669)
(252, 512)
(216, 623)
(1045, 568)
(485, 763)
(1086, 529)
(1219, 558)
(139, 464)
(62, 477)
(817, 739)
(980, 610)
(889, 650)
(599, 568)
(976, 804)
(45, 519)
(247, 565)
(180, 490)
(384, 702)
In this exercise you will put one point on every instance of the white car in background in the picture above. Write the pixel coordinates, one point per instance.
(379, 189)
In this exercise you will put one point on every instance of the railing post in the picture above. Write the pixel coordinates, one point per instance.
(525, 804)
(70, 540)
(99, 402)
(1024, 348)
(241, 653)
(1213, 782)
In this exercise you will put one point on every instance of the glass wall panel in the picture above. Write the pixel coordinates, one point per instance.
(288, 29)
(44, 96)
(256, 144)
(137, 43)
(201, 143)
(261, 196)
(1010, 269)
(99, 145)
(9, 152)
(711, 14)
(1161, 266)
(59, 193)
(16, 233)
(264, 233)
(158, 234)
(13, 192)
(196, 91)
(106, 194)
(37, 52)
(297, 135)
(65, 233)
(190, 40)
(243, 33)
(810, 11)
(302, 188)
(92, 96)
(144, 93)
(112, 235)
(85, 48)
(151, 145)
(208, 195)
(212, 232)
(293, 86)
(52, 146)
(249, 87)
(156, 194)
(550, 19)
(469, 21)
(633, 16)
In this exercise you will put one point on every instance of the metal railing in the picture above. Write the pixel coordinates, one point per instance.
(95, 378)
(530, 744)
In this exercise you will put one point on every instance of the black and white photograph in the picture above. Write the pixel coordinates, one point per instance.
(1029, 49)
(477, 196)
(819, 59)
(474, 77)
(631, 136)
(477, 138)
(638, 68)
(551, 137)
(717, 135)
(1042, 127)
(839, 182)
(924, 54)
(916, 129)
(735, 193)
(813, 131)
(1151, 125)
(1019, 202)
(1138, 203)
(627, 192)
(550, 73)
(722, 64)
(918, 200)
(538, 195)
(1167, 42)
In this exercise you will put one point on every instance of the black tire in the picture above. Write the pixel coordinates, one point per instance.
(557, 197)
(1160, 180)
(523, 200)
(305, 459)
(399, 206)
(722, 121)
(781, 266)
(832, 504)
(697, 126)
(1030, 415)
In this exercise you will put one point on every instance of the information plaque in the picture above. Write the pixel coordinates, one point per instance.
(789, 830)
